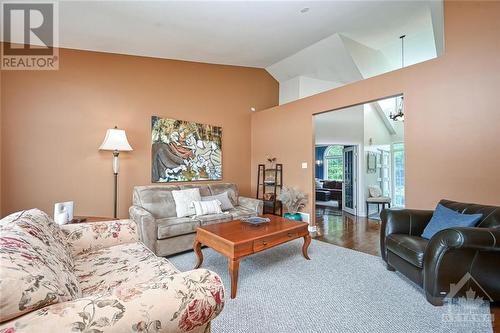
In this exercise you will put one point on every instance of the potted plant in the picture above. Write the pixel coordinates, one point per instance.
(293, 199)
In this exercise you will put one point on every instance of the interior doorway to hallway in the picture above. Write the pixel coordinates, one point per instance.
(359, 152)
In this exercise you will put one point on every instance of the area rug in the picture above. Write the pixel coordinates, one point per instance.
(339, 290)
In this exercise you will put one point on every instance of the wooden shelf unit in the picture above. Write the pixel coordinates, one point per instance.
(269, 185)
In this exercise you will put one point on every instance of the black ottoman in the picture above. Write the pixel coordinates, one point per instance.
(322, 195)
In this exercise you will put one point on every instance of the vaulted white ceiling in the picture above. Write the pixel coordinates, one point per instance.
(245, 33)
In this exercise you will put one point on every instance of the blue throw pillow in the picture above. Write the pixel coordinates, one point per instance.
(444, 218)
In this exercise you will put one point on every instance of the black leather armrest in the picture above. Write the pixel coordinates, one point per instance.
(453, 252)
(484, 239)
(402, 221)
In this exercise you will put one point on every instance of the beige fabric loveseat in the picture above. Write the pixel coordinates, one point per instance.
(96, 277)
(163, 232)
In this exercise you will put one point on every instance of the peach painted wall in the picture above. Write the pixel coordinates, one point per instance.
(53, 123)
(452, 125)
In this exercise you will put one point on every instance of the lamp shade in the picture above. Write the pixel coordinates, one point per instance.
(115, 139)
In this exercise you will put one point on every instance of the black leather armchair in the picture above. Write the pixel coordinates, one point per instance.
(449, 255)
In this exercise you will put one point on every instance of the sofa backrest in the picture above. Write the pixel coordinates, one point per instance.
(491, 214)
(332, 184)
(230, 188)
(36, 264)
(158, 199)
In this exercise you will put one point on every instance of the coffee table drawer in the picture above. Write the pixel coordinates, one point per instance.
(271, 241)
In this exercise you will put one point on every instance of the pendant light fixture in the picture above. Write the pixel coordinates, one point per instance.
(398, 114)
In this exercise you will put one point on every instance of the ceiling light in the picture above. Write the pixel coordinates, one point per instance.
(399, 114)
(304, 10)
(252, 109)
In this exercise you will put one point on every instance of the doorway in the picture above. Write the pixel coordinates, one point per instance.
(360, 165)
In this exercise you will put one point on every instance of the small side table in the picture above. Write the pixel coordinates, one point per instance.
(90, 219)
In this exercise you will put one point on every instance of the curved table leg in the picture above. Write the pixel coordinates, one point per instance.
(234, 265)
(307, 241)
(197, 249)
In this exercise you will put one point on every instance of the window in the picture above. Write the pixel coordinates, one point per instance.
(399, 174)
(334, 166)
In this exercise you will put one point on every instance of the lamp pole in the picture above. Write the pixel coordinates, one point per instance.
(116, 166)
(115, 141)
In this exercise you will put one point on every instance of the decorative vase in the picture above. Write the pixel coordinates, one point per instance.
(293, 216)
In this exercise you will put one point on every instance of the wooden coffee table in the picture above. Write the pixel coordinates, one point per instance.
(237, 239)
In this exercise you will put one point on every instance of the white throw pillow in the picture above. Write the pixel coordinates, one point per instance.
(207, 207)
(223, 198)
(374, 191)
(184, 201)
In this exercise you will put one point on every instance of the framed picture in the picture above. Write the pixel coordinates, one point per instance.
(371, 162)
(184, 151)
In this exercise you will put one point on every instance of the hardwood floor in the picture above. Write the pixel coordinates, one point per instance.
(361, 234)
(346, 230)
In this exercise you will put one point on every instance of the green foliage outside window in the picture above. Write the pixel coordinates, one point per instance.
(334, 163)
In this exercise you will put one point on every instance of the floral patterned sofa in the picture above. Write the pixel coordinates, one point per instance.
(96, 277)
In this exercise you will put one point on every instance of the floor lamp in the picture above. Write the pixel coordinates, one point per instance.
(116, 141)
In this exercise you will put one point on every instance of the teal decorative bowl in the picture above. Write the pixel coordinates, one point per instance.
(290, 216)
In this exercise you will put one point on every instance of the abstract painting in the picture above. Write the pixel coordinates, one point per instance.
(185, 151)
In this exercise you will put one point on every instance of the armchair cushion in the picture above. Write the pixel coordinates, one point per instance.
(176, 226)
(410, 248)
(402, 221)
(124, 265)
(444, 218)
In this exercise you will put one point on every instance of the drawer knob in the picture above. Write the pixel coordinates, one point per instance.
(264, 243)
(289, 234)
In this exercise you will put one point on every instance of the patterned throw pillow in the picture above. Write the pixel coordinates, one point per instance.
(375, 191)
(223, 198)
(37, 269)
(184, 201)
(207, 207)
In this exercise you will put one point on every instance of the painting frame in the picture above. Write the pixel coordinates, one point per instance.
(185, 151)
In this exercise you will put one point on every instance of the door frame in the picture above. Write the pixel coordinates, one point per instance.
(312, 158)
(355, 174)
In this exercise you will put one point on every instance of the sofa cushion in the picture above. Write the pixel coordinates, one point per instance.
(410, 248)
(36, 266)
(156, 199)
(214, 218)
(231, 189)
(176, 226)
(122, 266)
(239, 212)
(204, 189)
